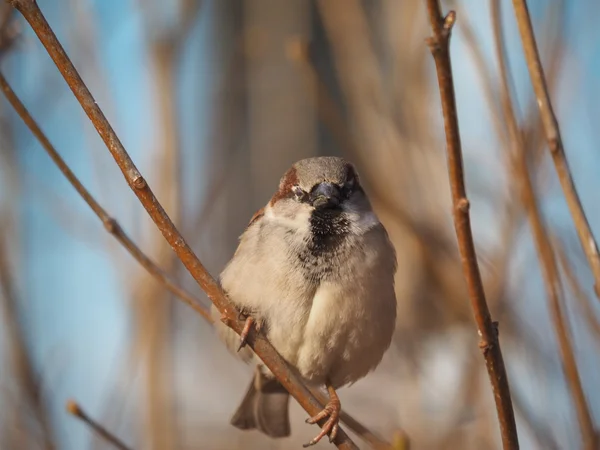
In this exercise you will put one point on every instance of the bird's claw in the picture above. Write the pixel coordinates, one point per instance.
(331, 410)
(246, 331)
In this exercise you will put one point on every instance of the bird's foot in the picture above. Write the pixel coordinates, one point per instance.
(331, 410)
(246, 331)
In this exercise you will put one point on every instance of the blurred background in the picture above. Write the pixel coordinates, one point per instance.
(214, 100)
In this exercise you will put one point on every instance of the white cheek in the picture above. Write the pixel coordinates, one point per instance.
(367, 220)
(361, 221)
(298, 220)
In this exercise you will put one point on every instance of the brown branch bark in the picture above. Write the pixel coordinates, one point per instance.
(33, 15)
(542, 242)
(439, 45)
(76, 411)
(362, 431)
(555, 143)
(110, 224)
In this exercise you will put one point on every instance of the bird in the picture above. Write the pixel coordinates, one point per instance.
(314, 273)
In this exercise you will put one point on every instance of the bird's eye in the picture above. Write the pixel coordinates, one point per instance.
(300, 194)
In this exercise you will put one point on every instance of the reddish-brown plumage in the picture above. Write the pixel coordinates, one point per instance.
(257, 215)
(289, 180)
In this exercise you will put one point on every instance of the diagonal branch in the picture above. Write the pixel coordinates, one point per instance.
(230, 316)
(76, 411)
(110, 224)
(555, 144)
(439, 45)
(114, 228)
(542, 243)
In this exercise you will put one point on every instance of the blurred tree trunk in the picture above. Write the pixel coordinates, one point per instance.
(152, 303)
(27, 424)
(281, 116)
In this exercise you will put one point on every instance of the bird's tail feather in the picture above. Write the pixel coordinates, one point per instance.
(264, 407)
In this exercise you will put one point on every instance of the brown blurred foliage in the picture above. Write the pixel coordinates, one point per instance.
(296, 79)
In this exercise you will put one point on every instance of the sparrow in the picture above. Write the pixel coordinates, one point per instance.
(314, 272)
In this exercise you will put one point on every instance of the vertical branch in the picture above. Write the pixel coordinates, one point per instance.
(555, 144)
(229, 315)
(439, 45)
(542, 242)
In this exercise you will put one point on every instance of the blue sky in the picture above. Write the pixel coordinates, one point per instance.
(76, 305)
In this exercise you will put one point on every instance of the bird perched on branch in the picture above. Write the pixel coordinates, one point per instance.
(314, 271)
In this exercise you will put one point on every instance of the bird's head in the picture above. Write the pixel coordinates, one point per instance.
(323, 194)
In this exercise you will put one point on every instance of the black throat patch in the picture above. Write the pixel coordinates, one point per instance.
(326, 246)
(328, 227)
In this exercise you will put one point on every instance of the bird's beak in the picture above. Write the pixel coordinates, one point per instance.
(325, 195)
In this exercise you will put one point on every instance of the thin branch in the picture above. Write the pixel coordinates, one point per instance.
(110, 224)
(362, 431)
(439, 45)
(587, 311)
(555, 144)
(542, 241)
(513, 212)
(229, 314)
(76, 411)
(533, 141)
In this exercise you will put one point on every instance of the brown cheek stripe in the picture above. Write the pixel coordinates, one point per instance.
(257, 215)
(289, 180)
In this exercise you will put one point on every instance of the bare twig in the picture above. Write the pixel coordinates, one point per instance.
(110, 224)
(587, 311)
(542, 242)
(362, 431)
(439, 44)
(230, 316)
(75, 410)
(555, 144)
